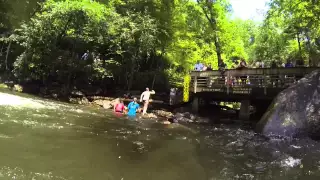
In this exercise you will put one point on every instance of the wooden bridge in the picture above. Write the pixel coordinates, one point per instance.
(255, 85)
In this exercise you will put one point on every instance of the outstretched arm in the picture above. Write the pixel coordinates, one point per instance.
(152, 92)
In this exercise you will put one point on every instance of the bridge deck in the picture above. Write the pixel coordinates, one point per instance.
(256, 83)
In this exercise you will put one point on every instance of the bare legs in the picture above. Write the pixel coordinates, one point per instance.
(145, 107)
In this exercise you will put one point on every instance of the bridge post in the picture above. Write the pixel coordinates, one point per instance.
(195, 82)
(227, 83)
(195, 104)
(244, 113)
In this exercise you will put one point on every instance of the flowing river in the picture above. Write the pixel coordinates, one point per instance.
(45, 140)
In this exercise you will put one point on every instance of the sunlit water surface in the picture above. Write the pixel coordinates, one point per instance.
(45, 140)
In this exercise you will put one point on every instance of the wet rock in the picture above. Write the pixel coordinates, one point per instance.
(203, 120)
(182, 117)
(179, 119)
(106, 104)
(94, 98)
(76, 93)
(151, 115)
(82, 100)
(172, 120)
(162, 113)
(54, 95)
(189, 116)
(295, 111)
(179, 115)
(98, 102)
(17, 88)
(193, 117)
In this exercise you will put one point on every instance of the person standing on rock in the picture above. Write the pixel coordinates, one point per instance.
(145, 96)
(133, 107)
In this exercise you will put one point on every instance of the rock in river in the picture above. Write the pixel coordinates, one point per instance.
(106, 104)
(295, 111)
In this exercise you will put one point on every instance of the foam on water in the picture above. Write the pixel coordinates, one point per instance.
(14, 101)
(290, 162)
(19, 174)
(17, 101)
(3, 136)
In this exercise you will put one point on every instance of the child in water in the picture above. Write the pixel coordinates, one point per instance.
(133, 107)
(119, 107)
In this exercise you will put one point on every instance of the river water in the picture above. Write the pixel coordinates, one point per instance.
(45, 140)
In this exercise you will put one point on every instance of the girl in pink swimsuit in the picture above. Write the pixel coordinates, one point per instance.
(119, 108)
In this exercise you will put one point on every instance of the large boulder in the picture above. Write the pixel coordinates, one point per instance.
(106, 104)
(162, 113)
(77, 100)
(295, 111)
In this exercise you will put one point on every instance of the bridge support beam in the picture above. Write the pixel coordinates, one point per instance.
(244, 113)
(195, 105)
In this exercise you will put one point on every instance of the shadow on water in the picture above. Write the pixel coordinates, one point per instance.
(48, 140)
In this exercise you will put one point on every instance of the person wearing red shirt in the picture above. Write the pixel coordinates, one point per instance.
(119, 108)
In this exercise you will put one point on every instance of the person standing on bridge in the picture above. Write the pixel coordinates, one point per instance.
(145, 96)
(199, 66)
(222, 66)
(274, 78)
(209, 68)
(289, 64)
(243, 65)
(235, 64)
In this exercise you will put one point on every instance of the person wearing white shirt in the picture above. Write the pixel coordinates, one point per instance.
(172, 96)
(145, 96)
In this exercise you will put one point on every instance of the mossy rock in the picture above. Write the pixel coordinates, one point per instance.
(295, 112)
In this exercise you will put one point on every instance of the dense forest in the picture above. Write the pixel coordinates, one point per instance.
(131, 44)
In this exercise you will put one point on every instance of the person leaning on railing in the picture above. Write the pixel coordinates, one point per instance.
(242, 65)
(222, 68)
(199, 66)
(274, 78)
(291, 78)
(209, 68)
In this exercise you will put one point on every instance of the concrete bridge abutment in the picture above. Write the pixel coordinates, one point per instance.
(195, 104)
(244, 113)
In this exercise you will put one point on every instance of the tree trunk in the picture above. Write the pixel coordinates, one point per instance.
(218, 48)
(213, 23)
(132, 70)
(310, 50)
(154, 80)
(299, 44)
(8, 50)
(155, 72)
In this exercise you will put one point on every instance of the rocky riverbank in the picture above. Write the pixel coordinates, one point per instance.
(158, 108)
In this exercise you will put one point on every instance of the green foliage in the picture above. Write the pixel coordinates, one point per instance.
(56, 38)
(138, 43)
(290, 32)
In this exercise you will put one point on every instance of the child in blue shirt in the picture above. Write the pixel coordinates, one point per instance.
(133, 107)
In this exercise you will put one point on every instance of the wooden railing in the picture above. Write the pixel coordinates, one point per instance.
(243, 81)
